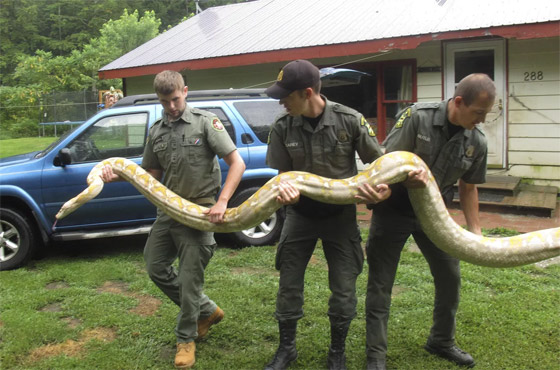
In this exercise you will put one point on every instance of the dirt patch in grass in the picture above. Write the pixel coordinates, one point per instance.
(57, 285)
(147, 305)
(115, 287)
(72, 348)
(397, 290)
(100, 334)
(72, 322)
(314, 260)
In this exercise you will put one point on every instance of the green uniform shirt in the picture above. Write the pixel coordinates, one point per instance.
(186, 151)
(329, 149)
(423, 130)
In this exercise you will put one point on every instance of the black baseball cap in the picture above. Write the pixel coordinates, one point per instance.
(296, 75)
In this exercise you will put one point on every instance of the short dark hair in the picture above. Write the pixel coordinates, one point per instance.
(317, 87)
(471, 86)
(166, 82)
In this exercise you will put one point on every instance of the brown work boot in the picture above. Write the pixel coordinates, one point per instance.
(204, 324)
(184, 359)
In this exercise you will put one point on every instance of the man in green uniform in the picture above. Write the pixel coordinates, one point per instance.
(181, 149)
(321, 137)
(444, 135)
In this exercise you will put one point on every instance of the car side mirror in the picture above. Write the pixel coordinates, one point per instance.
(63, 157)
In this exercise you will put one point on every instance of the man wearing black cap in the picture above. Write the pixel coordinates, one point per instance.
(318, 136)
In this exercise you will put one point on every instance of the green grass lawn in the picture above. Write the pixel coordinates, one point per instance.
(91, 305)
(11, 147)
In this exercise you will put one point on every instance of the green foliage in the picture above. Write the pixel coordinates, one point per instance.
(78, 71)
(44, 72)
(49, 73)
(62, 26)
(117, 38)
(59, 45)
(20, 112)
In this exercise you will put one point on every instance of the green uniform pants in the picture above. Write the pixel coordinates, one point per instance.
(387, 236)
(342, 247)
(169, 240)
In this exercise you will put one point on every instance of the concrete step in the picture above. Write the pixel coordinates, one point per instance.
(522, 199)
(496, 184)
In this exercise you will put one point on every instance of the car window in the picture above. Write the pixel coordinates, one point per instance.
(260, 115)
(114, 136)
(225, 120)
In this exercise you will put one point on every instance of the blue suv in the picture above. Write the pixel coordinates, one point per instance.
(34, 186)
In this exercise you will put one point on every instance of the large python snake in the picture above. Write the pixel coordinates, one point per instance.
(390, 168)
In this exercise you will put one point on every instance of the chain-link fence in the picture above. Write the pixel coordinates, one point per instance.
(61, 111)
(25, 113)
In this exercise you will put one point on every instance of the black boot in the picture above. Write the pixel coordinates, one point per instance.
(337, 357)
(286, 351)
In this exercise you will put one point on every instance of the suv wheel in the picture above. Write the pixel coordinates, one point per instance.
(266, 233)
(17, 243)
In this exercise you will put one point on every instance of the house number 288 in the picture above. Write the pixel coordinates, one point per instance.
(533, 76)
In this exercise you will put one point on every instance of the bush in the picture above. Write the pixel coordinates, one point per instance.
(20, 111)
(24, 127)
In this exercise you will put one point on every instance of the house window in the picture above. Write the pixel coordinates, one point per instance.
(398, 90)
(380, 92)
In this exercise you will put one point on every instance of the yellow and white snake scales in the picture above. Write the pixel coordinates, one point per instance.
(390, 168)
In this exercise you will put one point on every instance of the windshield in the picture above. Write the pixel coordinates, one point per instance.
(45, 151)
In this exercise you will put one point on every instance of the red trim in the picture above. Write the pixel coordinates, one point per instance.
(524, 31)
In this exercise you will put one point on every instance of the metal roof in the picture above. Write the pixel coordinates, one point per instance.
(275, 25)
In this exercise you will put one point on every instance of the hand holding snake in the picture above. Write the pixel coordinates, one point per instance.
(388, 169)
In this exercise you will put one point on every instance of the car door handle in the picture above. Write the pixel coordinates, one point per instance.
(247, 139)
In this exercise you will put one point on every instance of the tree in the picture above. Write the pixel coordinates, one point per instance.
(44, 72)
(78, 71)
(118, 38)
(63, 26)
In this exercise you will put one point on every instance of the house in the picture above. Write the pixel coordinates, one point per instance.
(411, 50)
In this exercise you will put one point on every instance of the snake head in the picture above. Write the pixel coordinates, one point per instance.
(67, 208)
(88, 194)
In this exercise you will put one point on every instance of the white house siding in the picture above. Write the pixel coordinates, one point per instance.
(263, 75)
(534, 110)
(533, 129)
(429, 86)
(256, 76)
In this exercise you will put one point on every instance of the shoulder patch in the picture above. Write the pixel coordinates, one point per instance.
(365, 123)
(403, 116)
(217, 124)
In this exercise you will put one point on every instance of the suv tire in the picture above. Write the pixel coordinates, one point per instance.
(266, 233)
(17, 243)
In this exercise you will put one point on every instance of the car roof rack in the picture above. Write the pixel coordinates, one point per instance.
(195, 95)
